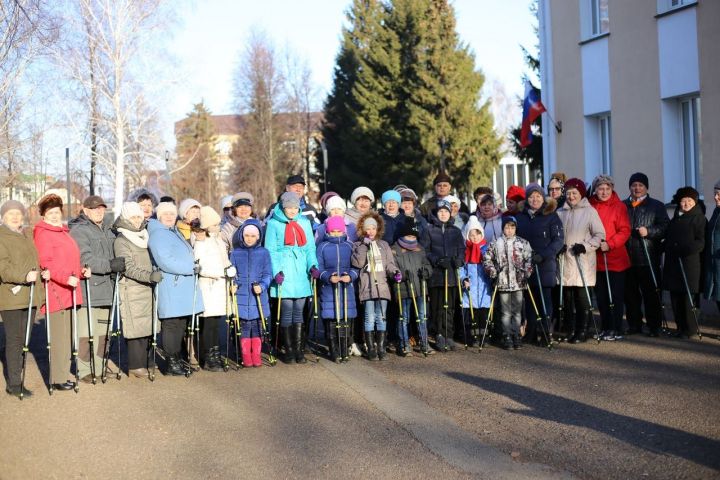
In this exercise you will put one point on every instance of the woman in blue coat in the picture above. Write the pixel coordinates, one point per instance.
(337, 293)
(253, 276)
(173, 255)
(540, 225)
(289, 239)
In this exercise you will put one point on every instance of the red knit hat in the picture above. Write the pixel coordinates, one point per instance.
(515, 193)
(577, 184)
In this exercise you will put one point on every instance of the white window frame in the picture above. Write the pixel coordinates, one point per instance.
(596, 22)
(668, 5)
(689, 121)
(605, 142)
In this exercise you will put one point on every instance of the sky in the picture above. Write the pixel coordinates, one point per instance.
(210, 36)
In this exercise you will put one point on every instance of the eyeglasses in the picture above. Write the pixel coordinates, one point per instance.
(554, 189)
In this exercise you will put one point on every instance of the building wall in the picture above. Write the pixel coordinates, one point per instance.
(708, 14)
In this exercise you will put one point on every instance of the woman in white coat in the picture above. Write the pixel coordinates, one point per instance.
(215, 269)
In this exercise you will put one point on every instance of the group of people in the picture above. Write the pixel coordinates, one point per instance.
(404, 277)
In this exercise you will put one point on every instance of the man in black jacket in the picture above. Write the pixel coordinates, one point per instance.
(648, 220)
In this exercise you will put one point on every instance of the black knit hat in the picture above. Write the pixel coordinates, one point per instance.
(639, 177)
(408, 227)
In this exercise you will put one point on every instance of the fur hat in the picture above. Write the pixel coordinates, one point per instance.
(140, 194)
(208, 218)
(186, 205)
(603, 179)
(515, 193)
(49, 201)
(362, 233)
(12, 205)
(639, 177)
(442, 177)
(362, 192)
(577, 184)
(685, 192)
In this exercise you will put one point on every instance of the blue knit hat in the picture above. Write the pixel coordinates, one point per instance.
(509, 219)
(390, 195)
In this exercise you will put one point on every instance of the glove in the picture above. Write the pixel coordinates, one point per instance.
(279, 278)
(314, 273)
(444, 263)
(195, 224)
(578, 249)
(398, 276)
(156, 276)
(196, 269)
(117, 265)
(563, 250)
(424, 274)
(367, 240)
(230, 272)
(537, 259)
(453, 264)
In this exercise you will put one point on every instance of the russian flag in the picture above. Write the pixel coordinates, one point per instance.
(532, 108)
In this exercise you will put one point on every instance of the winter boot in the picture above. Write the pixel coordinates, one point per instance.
(380, 336)
(288, 344)
(506, 342)
(213, 362)
(333, 345)
(256, 347)
(174, 367)
(299, 343)
(516, 342)
(370, 346)
(245, 346)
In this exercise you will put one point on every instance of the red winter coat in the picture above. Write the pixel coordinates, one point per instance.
(58, 253)
(614, 217)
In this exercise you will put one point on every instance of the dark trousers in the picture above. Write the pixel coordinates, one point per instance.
(210, 330)
(173, 331)
(438, 325)
(640, 292)
(682, 311)
(533, 330)
(577, 308)
(137, 352)
(612, 318)
(15, 322)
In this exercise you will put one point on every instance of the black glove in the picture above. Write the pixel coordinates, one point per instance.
(444, 263)
(454, 264)
(425, 273)
(156, 276)
(578, 249)
(117, 265)
(195, 224)
(196, 269)
(563, 250)
(537, 259)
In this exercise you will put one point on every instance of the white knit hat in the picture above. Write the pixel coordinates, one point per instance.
(335, 202)
(208, 217)
(186, 205)
(361, 192)
(164, 207)
(131, 209)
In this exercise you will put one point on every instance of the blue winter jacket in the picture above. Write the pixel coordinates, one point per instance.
(174, 257)
(293, 260)
(392, 226)
(544, 231)
(253, 265)
(480, 284)
(334, 255)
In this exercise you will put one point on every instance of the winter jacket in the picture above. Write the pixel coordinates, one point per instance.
(509, 261)
(414, 266)
(96, 250)
(212, 256)
(392, 226)
(581, 224)
(307, 211)
(374, 284)
(294, 261)
(614, 217)
(446, 240)
(135, 289)
(684, 240)
(651, 214)
(492, 226)
(58, 253)
(17, 257)
(351, 233)
(712, 257)
(544, 230)
(334, 255)
(421, 224)
(352, 215)
(253, 265)
(227, 231)
(174, 256)
(480, 284)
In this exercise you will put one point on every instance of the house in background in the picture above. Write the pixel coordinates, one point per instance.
(635, 85)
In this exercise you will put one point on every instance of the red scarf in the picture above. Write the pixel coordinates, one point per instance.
(294, 234)
(473, 251)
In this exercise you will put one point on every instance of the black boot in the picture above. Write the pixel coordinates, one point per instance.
(380, 336)
(370, 346)
(516, 342)
(299, 343)
(333, 345)
(288, 344)
(174, 367)
(213, 362)
(506, 342)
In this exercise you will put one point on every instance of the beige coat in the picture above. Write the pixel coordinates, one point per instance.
(582, 224)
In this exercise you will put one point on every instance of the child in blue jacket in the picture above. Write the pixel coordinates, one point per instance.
(253, 277)
(337, 294)
(477, 286)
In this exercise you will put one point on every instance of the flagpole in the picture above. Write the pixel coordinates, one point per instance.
(558, 125)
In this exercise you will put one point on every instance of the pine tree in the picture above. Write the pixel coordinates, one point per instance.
(194, 174)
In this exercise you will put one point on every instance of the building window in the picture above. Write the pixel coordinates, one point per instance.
(600, 22)
(667, 5)
(605, 131)
(690, 127)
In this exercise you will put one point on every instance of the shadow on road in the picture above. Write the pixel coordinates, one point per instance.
(649, 436)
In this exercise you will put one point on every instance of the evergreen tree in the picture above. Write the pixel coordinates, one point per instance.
(194, 174)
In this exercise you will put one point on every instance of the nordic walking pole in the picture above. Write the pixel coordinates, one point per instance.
(690, 298)
(153, 343)
(238, 331)
(607, 279)
(489, 321)
(315, 311)
(561, 307)
(473, 323)
(547, 333)
(460, 296)
(271, 357)
(91, 337)
(111, 319)
(26, 345)
(663, 322)
(47, 332)
(344, 354)
(423, 330)
(411, 289)
(445, 307)
(403, 321)
(191, 325)
(537, 314)
(74, 339)
(228, 314)
(277, 320)
(587, 292)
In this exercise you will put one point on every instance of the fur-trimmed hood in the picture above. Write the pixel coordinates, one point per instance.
(361, 232)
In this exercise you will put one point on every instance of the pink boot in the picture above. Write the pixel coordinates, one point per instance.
(256, 350)
(246, 353)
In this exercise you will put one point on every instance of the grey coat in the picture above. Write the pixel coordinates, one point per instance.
(374, 286)
(136, 291)
(96, 250)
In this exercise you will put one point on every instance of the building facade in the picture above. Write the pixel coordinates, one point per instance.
(635, 86)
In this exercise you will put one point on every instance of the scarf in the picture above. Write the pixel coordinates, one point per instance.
(139, 239)
(411, 245)
(473, 251)
(294, 234)
(375, 258)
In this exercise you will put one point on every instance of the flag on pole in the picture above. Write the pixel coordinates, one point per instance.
(532, 108)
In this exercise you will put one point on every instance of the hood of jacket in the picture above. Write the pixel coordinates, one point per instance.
(239, 240)
(361, 232)
(472, 224)
(43, 225)
(583, 203)
(614, 199)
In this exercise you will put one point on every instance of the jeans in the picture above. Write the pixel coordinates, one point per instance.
(511, 311)
(375, 315)
(291, 311)
(408, 313)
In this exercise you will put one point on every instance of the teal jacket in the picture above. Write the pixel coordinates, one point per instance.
(293, 260)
